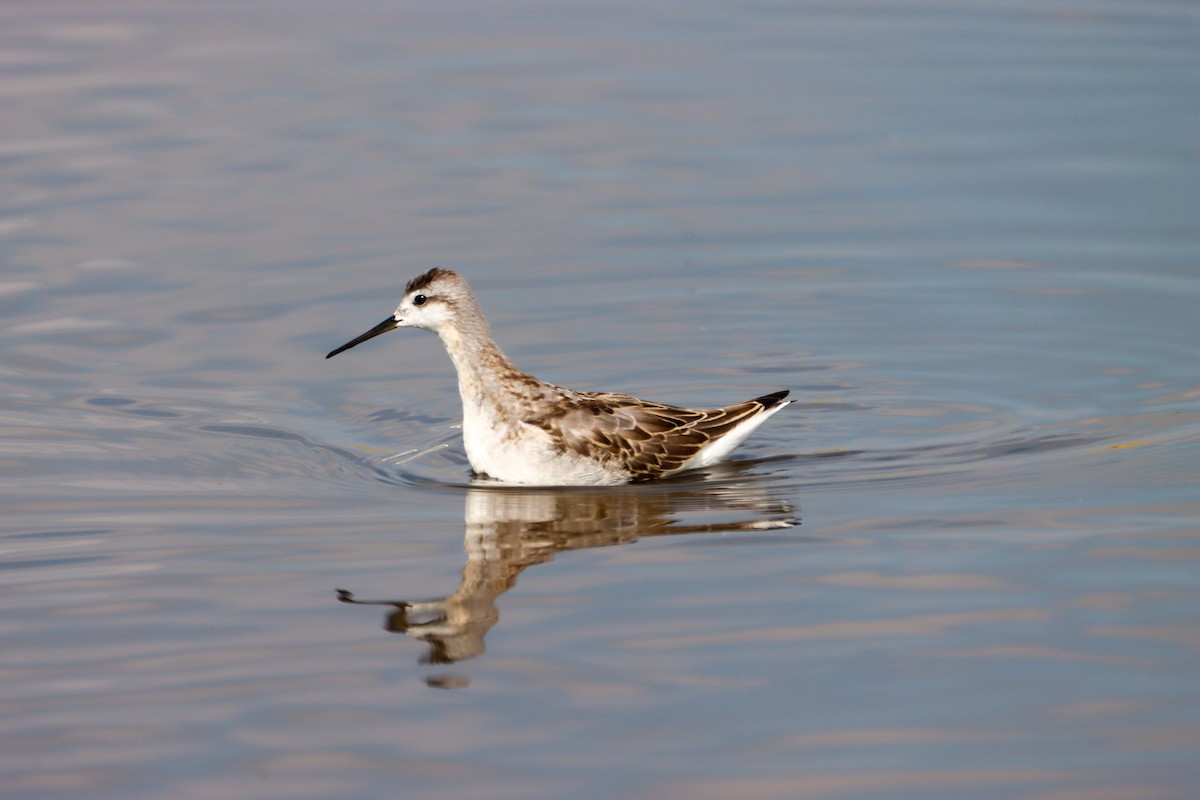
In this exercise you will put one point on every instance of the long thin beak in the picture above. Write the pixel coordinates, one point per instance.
(388, 324)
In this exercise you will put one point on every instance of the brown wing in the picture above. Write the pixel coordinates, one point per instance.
(645, 439)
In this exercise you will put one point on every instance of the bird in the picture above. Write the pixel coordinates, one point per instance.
(521, 430)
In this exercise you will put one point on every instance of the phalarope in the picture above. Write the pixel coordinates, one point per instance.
(519, 429)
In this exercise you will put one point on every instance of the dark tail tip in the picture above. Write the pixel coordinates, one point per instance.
(774, 398)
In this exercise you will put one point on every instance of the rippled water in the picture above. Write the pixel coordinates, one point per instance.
(963, 564)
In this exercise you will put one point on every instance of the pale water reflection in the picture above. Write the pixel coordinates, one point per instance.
(509, 530)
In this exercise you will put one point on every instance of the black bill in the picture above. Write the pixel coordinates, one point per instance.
(388, 324)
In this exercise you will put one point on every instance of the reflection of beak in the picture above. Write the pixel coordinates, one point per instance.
(389, 324)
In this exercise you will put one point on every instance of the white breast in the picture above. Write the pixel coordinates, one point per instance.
(515, 452)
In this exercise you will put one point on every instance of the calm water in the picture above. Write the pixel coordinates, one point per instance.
(965, 564)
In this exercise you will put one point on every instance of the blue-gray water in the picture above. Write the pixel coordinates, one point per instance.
(965, 235)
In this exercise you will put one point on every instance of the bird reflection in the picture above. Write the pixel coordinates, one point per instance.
(510, 529)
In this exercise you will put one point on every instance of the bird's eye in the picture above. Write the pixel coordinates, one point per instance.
(419, 300)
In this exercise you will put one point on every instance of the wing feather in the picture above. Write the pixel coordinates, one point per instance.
(645, 439)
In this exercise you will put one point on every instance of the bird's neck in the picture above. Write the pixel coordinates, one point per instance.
(486, 377)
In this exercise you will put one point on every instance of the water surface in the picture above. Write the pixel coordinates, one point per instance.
(963, 564)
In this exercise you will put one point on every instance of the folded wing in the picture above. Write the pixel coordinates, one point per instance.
(646, 439)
